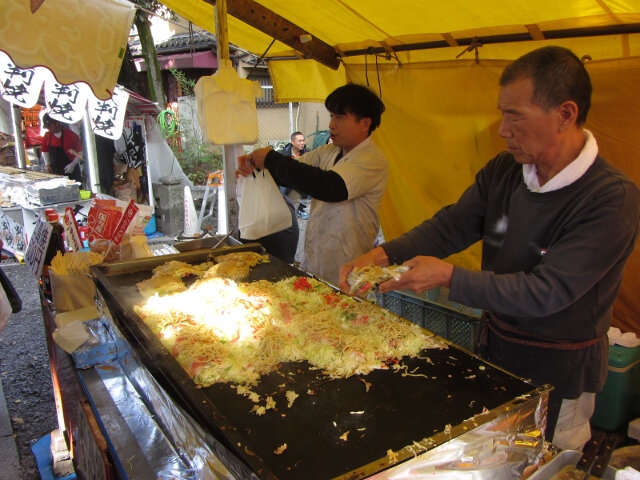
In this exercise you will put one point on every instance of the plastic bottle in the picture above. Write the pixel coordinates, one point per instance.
(56, 244)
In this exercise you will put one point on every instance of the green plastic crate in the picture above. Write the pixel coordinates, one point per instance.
(619, 400)
(434, 312)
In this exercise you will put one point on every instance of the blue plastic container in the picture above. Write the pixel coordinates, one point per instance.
(150, 228)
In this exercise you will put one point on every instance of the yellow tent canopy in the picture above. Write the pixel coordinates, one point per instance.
(441, 121)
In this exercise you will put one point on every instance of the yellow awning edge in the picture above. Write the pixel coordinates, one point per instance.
(76, 50)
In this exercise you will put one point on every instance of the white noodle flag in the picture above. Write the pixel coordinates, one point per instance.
(21, 86)
(66, 103)
(107, 116)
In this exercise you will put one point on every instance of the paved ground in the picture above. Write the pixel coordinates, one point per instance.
(25, 376)
(8, 452)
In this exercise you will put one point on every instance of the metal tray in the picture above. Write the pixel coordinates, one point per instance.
(398, 411)
(205, 242)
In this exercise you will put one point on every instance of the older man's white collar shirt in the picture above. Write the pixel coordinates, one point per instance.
(568, 174)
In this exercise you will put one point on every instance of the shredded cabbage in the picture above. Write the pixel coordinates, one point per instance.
(223, 331)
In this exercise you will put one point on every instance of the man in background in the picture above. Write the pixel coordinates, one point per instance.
(296, 149)
(61, 150)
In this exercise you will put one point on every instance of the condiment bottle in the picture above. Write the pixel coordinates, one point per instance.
(56, 244)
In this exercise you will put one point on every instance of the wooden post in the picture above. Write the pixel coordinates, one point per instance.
(222, 35)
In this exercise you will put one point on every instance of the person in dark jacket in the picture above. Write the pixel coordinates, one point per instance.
(295, 149)
(557, 222)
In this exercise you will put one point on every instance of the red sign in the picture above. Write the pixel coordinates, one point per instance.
(103, 219)
(126, 219)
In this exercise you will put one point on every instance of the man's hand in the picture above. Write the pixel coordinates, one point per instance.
(49, 169)
(377, 256)
(248, 163)
(76, 155)
(70, 167)
(426, 273)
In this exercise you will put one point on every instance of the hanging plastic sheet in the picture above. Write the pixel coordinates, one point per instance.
(174, 446)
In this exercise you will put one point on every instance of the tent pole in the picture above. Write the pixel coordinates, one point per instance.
(152, 200)
(16, 120)
(290, 118)
(230, 152)
(90, 155)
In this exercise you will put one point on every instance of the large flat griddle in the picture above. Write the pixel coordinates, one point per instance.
(395, 412)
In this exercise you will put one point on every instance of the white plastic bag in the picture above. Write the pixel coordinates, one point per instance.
(263, 210)
(5, 309)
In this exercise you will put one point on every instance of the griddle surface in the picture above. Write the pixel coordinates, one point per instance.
(396, 411)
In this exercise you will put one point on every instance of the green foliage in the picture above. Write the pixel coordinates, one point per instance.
(198, 162)
(186, 85)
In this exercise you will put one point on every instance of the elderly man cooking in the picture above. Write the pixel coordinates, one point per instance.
(558, 223)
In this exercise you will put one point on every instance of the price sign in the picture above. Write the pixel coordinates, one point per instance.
(37, 247)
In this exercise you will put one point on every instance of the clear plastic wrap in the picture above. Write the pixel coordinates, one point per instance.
(196, 453)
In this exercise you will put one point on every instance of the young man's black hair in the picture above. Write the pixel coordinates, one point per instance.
(356, 99)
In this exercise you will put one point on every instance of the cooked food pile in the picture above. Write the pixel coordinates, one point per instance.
(167, 278)
(223, 331)
(363, 280)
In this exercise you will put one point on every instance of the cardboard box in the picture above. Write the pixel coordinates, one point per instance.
(72, 292)
(79, 315)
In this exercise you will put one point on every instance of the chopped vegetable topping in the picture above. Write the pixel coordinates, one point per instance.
(280, 450)
(393, 456)
(291, 397)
